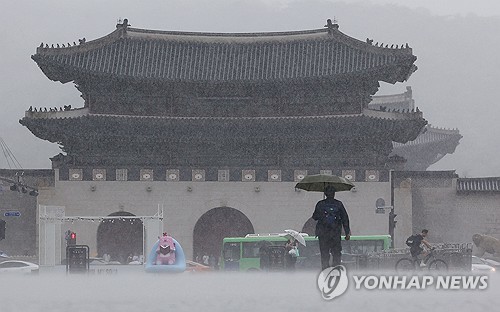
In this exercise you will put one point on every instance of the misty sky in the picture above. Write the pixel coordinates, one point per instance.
(456, 43)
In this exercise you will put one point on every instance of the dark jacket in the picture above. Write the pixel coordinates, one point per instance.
(331, 216)
(415, 248)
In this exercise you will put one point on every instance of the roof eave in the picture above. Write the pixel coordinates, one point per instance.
(54, 72)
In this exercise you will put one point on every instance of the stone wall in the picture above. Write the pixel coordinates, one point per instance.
(270, 206)
(421, 200)
(448, 215)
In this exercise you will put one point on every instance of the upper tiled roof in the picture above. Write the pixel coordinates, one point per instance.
(219, 57)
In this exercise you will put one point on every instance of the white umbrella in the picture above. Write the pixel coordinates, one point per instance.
(295, 235)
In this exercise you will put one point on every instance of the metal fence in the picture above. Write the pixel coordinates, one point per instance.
(458, 257)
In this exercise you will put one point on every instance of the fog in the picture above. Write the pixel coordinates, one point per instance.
(456, 44)
(136, 291)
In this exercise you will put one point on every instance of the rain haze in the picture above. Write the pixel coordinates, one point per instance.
(455, 86)
(455, 41)
(224, 292)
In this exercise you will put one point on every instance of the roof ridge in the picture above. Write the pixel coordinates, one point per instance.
(228, 34)
(443, 130)
(330, 33)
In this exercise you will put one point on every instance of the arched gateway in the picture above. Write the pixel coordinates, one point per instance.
(216, 224)
(120, 238)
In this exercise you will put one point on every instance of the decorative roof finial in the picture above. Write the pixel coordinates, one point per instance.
(122, 24)
(331, 26)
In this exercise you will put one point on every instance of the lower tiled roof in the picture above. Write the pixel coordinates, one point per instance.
(467, 185)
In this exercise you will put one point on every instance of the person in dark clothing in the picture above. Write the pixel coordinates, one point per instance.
(264, 255)
(291, 258)
(418, 240)
(331, 216)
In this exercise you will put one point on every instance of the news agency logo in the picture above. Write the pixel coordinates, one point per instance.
(333, 282)
(445, 282)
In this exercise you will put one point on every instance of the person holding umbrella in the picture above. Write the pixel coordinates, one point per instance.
(291, 254)
(331, 216)
(291, 247)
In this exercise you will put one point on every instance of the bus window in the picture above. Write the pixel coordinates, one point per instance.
(311, 248)
(251, 250)
(231, 251)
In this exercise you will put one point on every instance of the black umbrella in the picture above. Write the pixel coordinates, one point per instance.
(318, 183)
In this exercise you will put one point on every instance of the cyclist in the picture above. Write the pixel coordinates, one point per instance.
(420, 246)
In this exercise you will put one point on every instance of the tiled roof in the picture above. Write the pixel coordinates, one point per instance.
(428, 148)
(402, 101)
(400, 127)
(183, 56)
(467, 185)
(434, 135)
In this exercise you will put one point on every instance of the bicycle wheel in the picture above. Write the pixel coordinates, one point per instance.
(405, 264)
(438, 265)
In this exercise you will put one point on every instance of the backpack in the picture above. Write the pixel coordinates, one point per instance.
(332, 214)
(412, 241)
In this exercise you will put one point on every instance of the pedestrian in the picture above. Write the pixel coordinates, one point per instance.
(264, 255)
(331, 216)
(291, 254)
(205, 259)
(212, 261)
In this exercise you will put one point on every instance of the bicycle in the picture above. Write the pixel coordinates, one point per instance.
(410, 264)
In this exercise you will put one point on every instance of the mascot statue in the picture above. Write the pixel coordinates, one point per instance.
(486, 244)
(165, 253)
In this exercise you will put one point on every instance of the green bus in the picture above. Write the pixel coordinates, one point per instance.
(243, 253)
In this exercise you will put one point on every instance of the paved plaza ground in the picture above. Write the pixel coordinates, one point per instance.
(129, 288)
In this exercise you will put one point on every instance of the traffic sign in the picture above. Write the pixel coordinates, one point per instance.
(12, 214)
